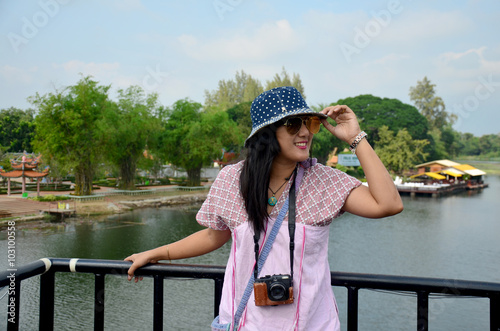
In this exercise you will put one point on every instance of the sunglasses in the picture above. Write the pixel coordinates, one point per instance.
(294, 124)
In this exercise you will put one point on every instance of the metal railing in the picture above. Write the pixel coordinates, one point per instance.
(47, 267)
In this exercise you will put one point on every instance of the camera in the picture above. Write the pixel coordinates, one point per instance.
(273, 290)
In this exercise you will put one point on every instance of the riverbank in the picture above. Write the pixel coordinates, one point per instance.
(25, 210)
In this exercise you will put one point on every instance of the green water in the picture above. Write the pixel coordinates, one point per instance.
(451, 237)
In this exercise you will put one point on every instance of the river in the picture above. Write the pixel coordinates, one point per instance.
(454, 237)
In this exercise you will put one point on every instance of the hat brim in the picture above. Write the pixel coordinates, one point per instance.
(300, 111)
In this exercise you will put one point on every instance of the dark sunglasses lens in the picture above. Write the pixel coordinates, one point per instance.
(293, 125)
(313, 123)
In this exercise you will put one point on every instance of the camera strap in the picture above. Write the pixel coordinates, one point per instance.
(290, 204)
(259, 260)
(291, 225)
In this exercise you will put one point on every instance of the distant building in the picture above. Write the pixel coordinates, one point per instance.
(435, 166)
(446, 169)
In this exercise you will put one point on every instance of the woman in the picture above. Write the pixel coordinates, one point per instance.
(250, 197)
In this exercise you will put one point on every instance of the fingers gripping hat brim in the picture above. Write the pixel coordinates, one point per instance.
(276, 104)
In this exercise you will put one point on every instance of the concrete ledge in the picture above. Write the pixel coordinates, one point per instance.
(193, 188)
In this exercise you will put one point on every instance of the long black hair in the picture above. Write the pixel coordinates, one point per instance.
(263, 147)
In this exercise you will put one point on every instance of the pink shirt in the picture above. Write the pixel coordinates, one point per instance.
(321, 195)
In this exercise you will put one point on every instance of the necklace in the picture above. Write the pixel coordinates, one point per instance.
(272, 200)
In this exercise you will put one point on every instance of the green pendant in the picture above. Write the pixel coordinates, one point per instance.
(272, 201)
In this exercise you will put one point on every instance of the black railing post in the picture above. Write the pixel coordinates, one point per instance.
(217, 295)
(47, 286)
(13, 305)
(423, 287)
(422, 311)
(158, 303)
(99, 302)
(495, 312)
(352, 308)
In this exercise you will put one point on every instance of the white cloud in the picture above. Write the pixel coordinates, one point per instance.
(470, 60)
(18, 75)
(267, 41)
(466, 65)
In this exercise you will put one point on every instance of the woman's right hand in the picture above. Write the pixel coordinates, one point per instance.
(347, 126)
(138, 260)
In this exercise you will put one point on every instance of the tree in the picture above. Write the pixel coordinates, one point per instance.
(17, 128)
(324, 143)
(232, 92)
(240, 114)
(285, 80)
(68, 129)
(151, 163)
(438, 148)
(2, 152)
(194, 138)
(400, 152)
(430, 105)
(372, 112)
(471, 144)
(127, 131)
(245, 88)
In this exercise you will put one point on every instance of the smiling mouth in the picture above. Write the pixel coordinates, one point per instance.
(301, 144)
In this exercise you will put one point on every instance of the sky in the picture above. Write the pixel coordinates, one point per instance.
(180, 49)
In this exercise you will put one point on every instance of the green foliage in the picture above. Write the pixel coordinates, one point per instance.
(430, 105)
(232, 92)
(17, 128)
(164, 181)
(244, 88)
(438, 148)
(68, 129)
(241, 115)
(285, 80)
(194, 138)
(399, 152)
(341, 167)
(3, 159)
(360, 171)
(128, 129)
(485, 147)
(105, 182)
(442, 136)
(323, 144)
(49, 197)
(151, 163)
(374, 112)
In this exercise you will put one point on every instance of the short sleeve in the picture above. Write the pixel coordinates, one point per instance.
(224, 207)
(323, 193)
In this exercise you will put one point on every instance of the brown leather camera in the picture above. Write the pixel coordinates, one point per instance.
(273, 290)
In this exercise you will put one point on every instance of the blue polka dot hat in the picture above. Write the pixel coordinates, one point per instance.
(276, 104)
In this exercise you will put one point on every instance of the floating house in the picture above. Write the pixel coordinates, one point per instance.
(442, 177)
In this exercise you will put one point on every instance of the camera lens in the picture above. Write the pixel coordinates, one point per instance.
(277, 292)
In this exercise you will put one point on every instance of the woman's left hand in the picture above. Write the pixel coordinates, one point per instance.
(347, 127)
